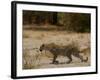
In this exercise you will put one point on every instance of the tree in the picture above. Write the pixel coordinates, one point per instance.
(55, 19)
(79, 22)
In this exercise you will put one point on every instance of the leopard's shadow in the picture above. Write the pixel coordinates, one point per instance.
(57, 63)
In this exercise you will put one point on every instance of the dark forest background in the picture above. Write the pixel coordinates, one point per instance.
(77, 22)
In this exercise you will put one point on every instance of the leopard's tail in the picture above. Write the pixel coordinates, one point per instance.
(85, 60)
(84, 51)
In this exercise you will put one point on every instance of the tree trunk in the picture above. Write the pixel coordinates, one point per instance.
(54, 18)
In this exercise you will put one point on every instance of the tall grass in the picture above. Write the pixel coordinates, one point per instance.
(30, 61)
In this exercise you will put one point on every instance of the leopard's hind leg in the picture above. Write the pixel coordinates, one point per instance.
(70, 59)
(80, 57)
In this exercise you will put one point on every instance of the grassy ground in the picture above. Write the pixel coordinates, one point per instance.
(33, 39)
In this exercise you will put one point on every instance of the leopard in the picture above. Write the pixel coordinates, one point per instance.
(67, 51)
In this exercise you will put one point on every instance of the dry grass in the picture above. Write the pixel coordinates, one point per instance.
(32, 58)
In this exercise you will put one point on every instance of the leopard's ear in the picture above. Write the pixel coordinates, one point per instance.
(43, 45)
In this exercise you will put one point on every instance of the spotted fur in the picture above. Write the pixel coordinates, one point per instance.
(68, 51)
